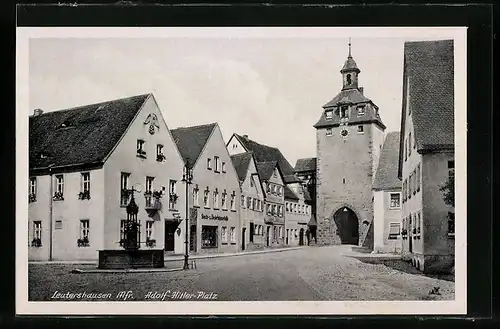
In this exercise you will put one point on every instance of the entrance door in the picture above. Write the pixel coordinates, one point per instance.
(301, 237)
(251, 231)
(347, 226)
(267, 235)
(192, 238)
(243, 242)
(170, 236)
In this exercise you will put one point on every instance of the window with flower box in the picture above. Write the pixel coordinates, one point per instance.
(160, 157)
(395, 200)
(83, 241)
(141, 148)
(85, 186)
(148, 193)
(37, 234)
(59, 193)
(32, 190)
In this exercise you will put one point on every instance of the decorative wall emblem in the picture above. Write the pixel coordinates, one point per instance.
(152, 121)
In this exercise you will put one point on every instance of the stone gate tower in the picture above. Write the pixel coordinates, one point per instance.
(349, 137)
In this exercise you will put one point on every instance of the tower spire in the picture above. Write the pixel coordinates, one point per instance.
(349, 47)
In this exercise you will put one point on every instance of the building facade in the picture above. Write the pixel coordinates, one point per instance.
(305, 170)
(297, 215)
(82, 160)
(215, 190)
(426, 154)
(387, 199)
(251, 204)
(349, 137)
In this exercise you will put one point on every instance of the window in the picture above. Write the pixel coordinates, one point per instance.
(124, 182)
(149, 229)
(32, 189)
(209, 236)
(410, 185)
(361, 111)
(329, 114)
(414, 181)
(141, 152)
(60, 184)
(254, 204)
(149, 191)
(344, 112)
(205, 198)
(418, 173)
(395, 201)
(209, 164)
(123, 223)
(223, 167)
(287, 207)
(37, 234)
(329, 132)
(233, 202)
(268, 209)
(216, 160)
(349, 81)
(86, 182)
(409, 144)
(242, 201)
(232, 235)
(159, 153)
(216, 199)
(196, 196)
(172, 194)
(223, 200)
(418, 219)
(361, 129)
(451, 224)
(58, 224)
(84, 233)
(394, 230)
(404, 190)
(249, 202)
(224, 234)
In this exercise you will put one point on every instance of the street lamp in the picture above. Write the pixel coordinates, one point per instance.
(187, 178)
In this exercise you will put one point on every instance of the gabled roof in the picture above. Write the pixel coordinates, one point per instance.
(429, 67)
(289, 194)
(192, 140)
(241, 163)
(264, 153)
(305, 164)
(386, 177)
(80, 136)
(266, 169)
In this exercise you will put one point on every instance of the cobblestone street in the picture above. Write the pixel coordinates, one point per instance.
(311, 273)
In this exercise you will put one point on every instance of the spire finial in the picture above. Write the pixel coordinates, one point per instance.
(350, 47)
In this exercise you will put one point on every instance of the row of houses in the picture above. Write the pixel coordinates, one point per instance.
(384, 191)
(86, 161)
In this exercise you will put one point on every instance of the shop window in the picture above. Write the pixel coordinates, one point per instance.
(209, 236)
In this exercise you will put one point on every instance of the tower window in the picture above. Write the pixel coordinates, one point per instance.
(361, 111)
(329, 132)
(361, 129)
(343, 180)
(329, 114)
(349, 80)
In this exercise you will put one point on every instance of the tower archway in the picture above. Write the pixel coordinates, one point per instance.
(347, 225)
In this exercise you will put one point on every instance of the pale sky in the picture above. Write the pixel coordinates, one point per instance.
(270, 88)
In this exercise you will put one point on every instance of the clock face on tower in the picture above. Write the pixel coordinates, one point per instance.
(344, 133)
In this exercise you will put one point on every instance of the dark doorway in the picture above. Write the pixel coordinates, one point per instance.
(192, 238)
(287, 232)
(267, 235)
(301, 237)
(252, 228)
(243, 242)
(347, 226)
(170, 236)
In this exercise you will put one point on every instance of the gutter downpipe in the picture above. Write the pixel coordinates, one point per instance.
(50, 212)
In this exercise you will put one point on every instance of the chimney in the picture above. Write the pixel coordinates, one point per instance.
(245, 136)
(361, 90)
(37, 112)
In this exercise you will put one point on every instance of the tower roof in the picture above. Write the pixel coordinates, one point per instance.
(350, 65)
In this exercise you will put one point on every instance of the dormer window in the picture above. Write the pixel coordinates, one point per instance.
(329, 115)
(361, 111)
(344, 112)
(65, 124)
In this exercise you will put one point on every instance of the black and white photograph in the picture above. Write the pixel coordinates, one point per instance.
(241, 170)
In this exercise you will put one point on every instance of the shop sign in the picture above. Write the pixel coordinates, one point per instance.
(214, 217)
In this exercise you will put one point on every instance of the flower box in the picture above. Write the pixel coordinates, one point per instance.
(85, 195)
(141, 154)
(58, 196)
(160, 158)
(84, 242)
(173, 198)
(36, 242)
(150, 242)
(31, 198)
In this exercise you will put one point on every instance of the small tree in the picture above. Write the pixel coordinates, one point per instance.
(448, 190)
